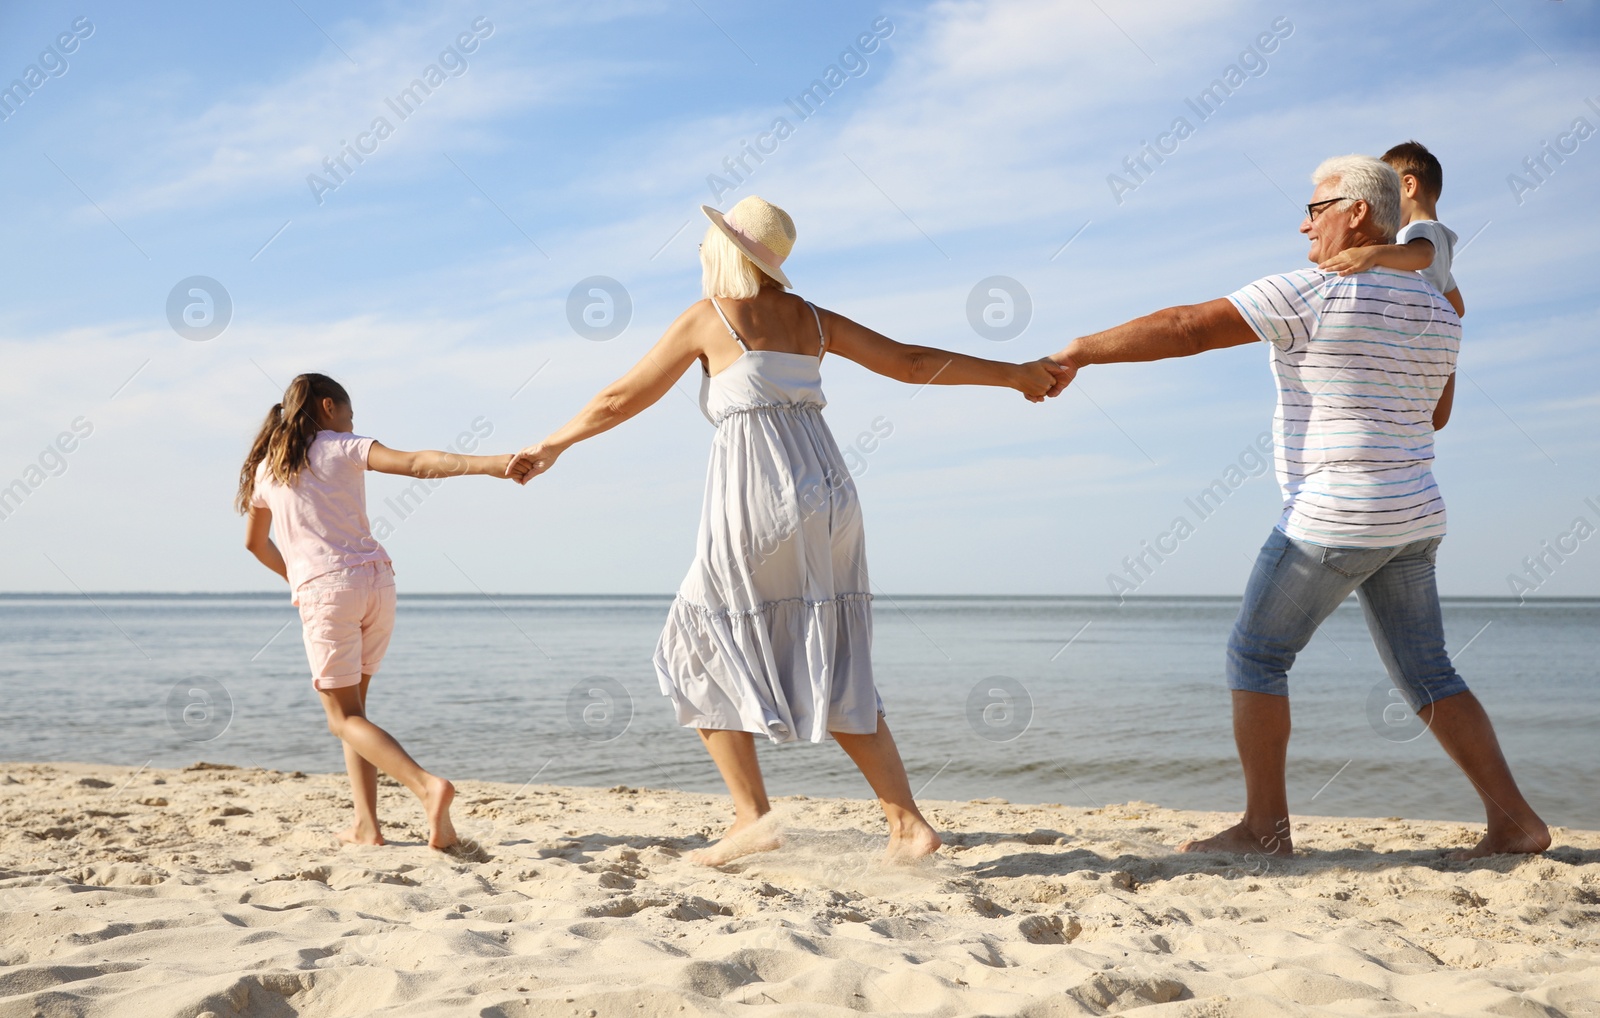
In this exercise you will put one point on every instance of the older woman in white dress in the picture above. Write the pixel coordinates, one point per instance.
(771, 632)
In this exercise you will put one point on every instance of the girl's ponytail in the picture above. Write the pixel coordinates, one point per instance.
(284, 440)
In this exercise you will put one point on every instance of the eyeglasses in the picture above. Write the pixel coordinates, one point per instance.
(1316, 207)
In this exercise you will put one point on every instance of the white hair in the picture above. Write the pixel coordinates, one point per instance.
(1373, 181)
(726, 272)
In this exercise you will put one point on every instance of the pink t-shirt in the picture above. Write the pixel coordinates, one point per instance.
(320, 524)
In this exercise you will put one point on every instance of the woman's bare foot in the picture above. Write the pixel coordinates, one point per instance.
(745, 837)
(916, 841)
(441, 832)
(1527, 838)
(360, 834)
(1241, 840)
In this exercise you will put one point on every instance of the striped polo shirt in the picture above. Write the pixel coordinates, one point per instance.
(1360, 361)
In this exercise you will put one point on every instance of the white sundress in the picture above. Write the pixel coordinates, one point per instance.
(771, 631)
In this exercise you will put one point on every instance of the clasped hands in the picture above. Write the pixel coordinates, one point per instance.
(1047, 377)
(532, 461)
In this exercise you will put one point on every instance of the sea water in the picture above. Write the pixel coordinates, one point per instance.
(1079, 701)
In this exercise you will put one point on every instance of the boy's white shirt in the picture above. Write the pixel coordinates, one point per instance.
(1443, 240)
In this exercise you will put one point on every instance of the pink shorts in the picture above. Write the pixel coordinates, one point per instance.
(348, 617)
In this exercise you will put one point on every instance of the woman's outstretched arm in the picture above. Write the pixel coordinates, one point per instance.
(927, 365)
(644, 384)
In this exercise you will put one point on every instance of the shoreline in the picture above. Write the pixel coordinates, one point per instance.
(278, 593)
(176, 892)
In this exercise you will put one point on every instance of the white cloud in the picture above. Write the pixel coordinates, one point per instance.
(991, 125)
(267, 137)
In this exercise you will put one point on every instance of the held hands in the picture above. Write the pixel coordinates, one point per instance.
(1065, 371)
(531, 462)
(1350, 261)
(1043, 378)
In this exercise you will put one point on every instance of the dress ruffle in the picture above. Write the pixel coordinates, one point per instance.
(792, 669)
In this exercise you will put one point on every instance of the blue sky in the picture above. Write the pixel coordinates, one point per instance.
(976, 140)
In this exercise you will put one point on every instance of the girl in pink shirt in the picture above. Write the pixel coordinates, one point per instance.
(304, 480)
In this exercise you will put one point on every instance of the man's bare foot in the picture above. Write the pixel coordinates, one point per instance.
(1241, 840)
(1527, 838)
(745, 837)
(360, 834)
(441, 832)
(916, 841)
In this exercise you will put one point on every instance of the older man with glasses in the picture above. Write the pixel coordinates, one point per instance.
(1362, 362)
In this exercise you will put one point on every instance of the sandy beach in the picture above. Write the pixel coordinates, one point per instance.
(222, 891)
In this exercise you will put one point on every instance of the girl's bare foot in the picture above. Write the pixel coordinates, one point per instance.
(916, 841)
(1241, 840)
(360, 834)
(441, 832)
(1527, 838)
(745, 837)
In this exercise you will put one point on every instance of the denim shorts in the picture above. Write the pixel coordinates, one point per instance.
(1295, 586)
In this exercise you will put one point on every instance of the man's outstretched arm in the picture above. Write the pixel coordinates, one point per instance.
(1172, 332)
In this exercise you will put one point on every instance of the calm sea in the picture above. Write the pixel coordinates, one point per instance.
(1079, 701)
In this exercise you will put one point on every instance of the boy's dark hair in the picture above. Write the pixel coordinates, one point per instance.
(1410, 157)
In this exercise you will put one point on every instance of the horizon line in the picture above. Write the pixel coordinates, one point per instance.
(469, 595)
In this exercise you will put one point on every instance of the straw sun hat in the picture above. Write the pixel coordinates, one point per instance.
(761, 231)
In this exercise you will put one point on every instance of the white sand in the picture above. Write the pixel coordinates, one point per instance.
(176, 893)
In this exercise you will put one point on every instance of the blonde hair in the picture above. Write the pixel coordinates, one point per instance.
(726, 272)
(284, 440)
